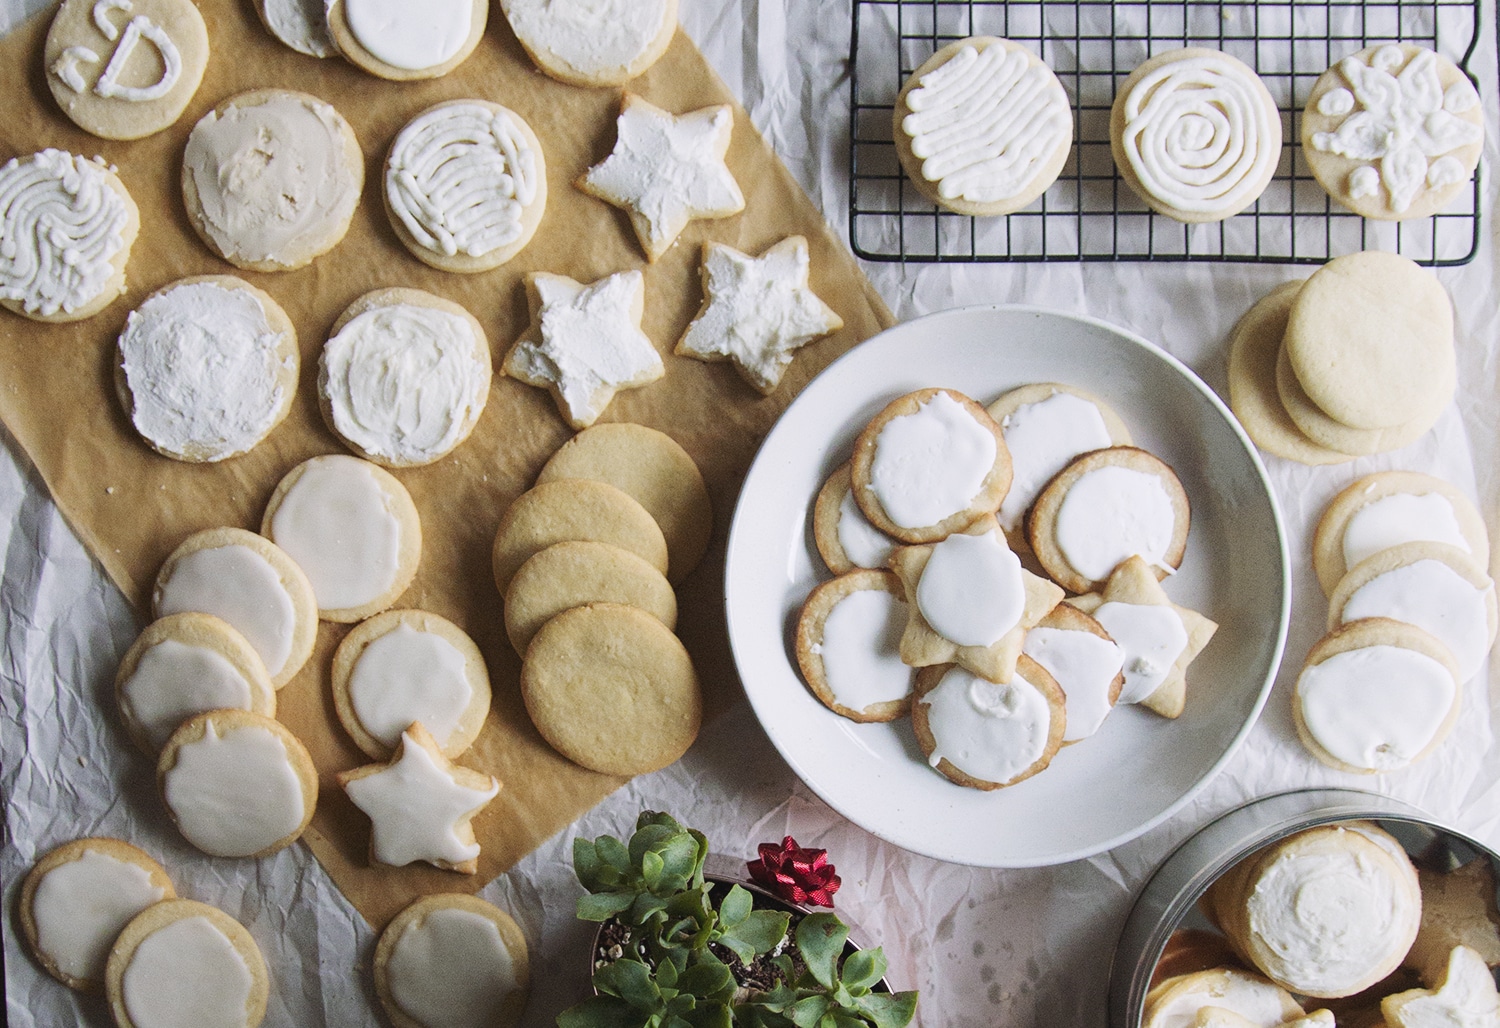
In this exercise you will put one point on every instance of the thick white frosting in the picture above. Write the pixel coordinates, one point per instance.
(592, 37)
(865, 545)
(930, 464)
(1377, 707)
(1466, 999)
(81, 906)
(451, 970)
(175, 680)
(411, 36)
(990, 731)
(409, 675)
(240, 586)
(971, 592)
(1113, 513)
(861, 650)
(1152, 637)
(1085, 667)
(1401, 518)
(1434, 597)
(187, 974)
(301, 25)
(1043, 438)
(1250, 996)
(236, 794)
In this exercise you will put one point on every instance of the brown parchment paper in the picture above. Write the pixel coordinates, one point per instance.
(131, 506)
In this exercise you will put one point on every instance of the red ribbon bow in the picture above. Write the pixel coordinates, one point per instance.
(796, 875)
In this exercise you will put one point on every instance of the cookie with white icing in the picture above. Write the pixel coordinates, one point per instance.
(77, 898)
(465, 185)
(843, 535)
(300, 24)
(402, 41)
(573, 508)
(402, 666)
(207, 367)
(988, 735)
(1180, 999)
(1464, 994)
(66, 227)
(125, 69)
(352, 528)
(983, 127)
(849, 646)
(404, 377)
(1086, 663)
(1459, 908)
(271, 179)
(578, 572)
(1393, 132)
(593, 42)
(452, 959)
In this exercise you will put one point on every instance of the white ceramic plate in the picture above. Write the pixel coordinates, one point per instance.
(1139, 768)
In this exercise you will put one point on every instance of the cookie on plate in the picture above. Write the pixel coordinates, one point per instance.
(404, 42)
(988, 735)
(300, 24)
(593, 42)
(573, 508)
(578, 572)
(849, 646)
(1084, 661)
(843, 535)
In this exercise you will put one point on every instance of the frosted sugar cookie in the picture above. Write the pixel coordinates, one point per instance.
(1376, 695)
(611, 689)
(186, 664)
(983, 126)
(988, 735)
(849, 646)
(404, 377)
(402, 41)
(1458, 909)
(465, 185)
(667, 170)
(1393, 132)
(1196, 134)
(593, 42)
(403, 666)
(183, 962)
(207, 368)
(78, 897)
(300, 24)
(584, 343)
(452, 959)
(1465, 993)
(844, 536)
(66, 225)
(271, 178)
(1084, 661)
(421, 805)
(1179, 1000)
(757, 311)
(124, 69)
(1387, 509)
(251, 583)
(237, 784)
(352, 527)
(573, 508)
(578, 572)
(929, 464)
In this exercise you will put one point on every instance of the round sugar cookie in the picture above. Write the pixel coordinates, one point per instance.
(612, 689)
(251, 583)
(404, 376)
(271, 179)
(403, 41)
(849, 646)
(593, 42)
(1087, 665)
(573, 508)
(991, 155)
(844, 536)
(452, 959)
(1179, 999)
(1393, 132)
(206, 367)
(125, 69)
(300, 24)
(578, 572)
(71, 223)
(185, 962)
(1323, 430)
(352, 527)
(1389, 508)
(402, 666)
(77, 898)
(186, 664)
(988, 735)
(653, 469)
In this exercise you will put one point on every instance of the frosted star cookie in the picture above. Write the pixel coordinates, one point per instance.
(125, 69)
(578, 572)
(666, 170)
(1179, 1000)
(593, 42)
(573, 508)
(404, 377)
(402, 41)
(1393, 132)
(421, 805)
(844, 536)
(66, 226)
(584, 343)
(465, 185)
(452, 959)
(207, 367)
(988, 735)
(1084, 661)
(1465, 994)
(983, 126)
(237, 784)
(403, 666)
(757, 311)
(300, 24)
(1196, 134)
(77, 898)
(271, 178)
(849, 646)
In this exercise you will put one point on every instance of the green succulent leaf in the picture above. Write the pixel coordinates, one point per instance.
(760, 931)
(863, 969)
(736, 906)
(888, 1009)
(651, 869)
(601, 906)
(708, 981)
(600, 1012)
(820, 940)
(808, 1013)
(613, 852)
(631, 981)
(711, 1015)
(666, 976)
(839, 1019)
(586, 861)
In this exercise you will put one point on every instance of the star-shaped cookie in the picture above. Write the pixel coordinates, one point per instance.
(757, 311)
(421, 804)
(584, 342)
(1466, 995)
(666, 170)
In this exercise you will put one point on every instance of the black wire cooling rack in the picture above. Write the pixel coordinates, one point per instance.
(1089, 214)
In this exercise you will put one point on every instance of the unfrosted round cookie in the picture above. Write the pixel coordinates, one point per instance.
(1324, 431)
(573, 508)
(578, 572)
(849, 646)
(983, 126)
(403, 666)
(184, 962)
(271, 179)
(186, 664)
(593, 42)
(1085, 662)
(77, 898)
(207, 367)
(250, 582)
(66, 226)
(300, 24)
(124, 69)
(352, 527)
(1393, 132)
(611, 689)
(404, 376)
(403, 41)
(452, 959)
(844, 536)
(988, 735)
